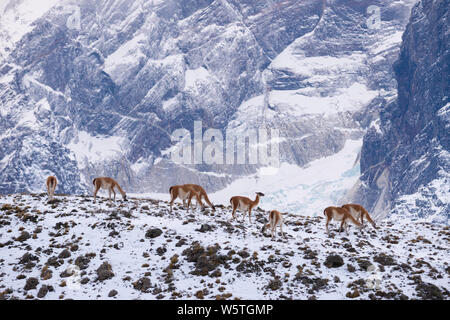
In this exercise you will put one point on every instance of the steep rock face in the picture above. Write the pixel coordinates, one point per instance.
(116, 86)
(138, 71)
(405, 158)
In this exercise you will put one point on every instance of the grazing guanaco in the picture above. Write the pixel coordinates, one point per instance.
(244, 204)
(51, 186)
(108, 184)
(359, 213)
(275, 219)
(184, 192)
(199, 194)
(339, 214)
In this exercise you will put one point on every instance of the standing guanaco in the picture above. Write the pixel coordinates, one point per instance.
(339, 214)
(275, 218)
(359, 213)
(108, 184)
(184, 192)
(51, 186)
(244, 204)
(200, 193)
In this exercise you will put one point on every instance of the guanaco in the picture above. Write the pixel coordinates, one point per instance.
(199, 194)
(244, 204)
(184, 192)
(275, 219)
(51, 186)
(108, 184)
(339, 214)
(359, 213)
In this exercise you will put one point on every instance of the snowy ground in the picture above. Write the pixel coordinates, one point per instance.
(55, 250)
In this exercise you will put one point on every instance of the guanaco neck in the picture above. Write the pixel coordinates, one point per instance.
(256, 201)
(120, 189)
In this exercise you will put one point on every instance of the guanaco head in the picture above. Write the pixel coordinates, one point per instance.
(260, 194)
(125, 197)
(263, 228)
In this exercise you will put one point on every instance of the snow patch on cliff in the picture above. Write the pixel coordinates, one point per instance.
(17, 19)
(90, 149)
(195, 78)
(301, 102)
(124, 61)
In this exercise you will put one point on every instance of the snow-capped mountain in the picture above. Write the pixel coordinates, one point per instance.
(405, 159)
(92, 88)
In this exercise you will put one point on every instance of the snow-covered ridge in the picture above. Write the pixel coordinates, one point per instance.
(74, 249)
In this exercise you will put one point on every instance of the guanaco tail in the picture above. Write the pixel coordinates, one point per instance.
(275, 219)
(51, 186)
(359, 213)
(184, 192)
(339, 214)
(108, 184)
(199, 194)
(244, 204)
